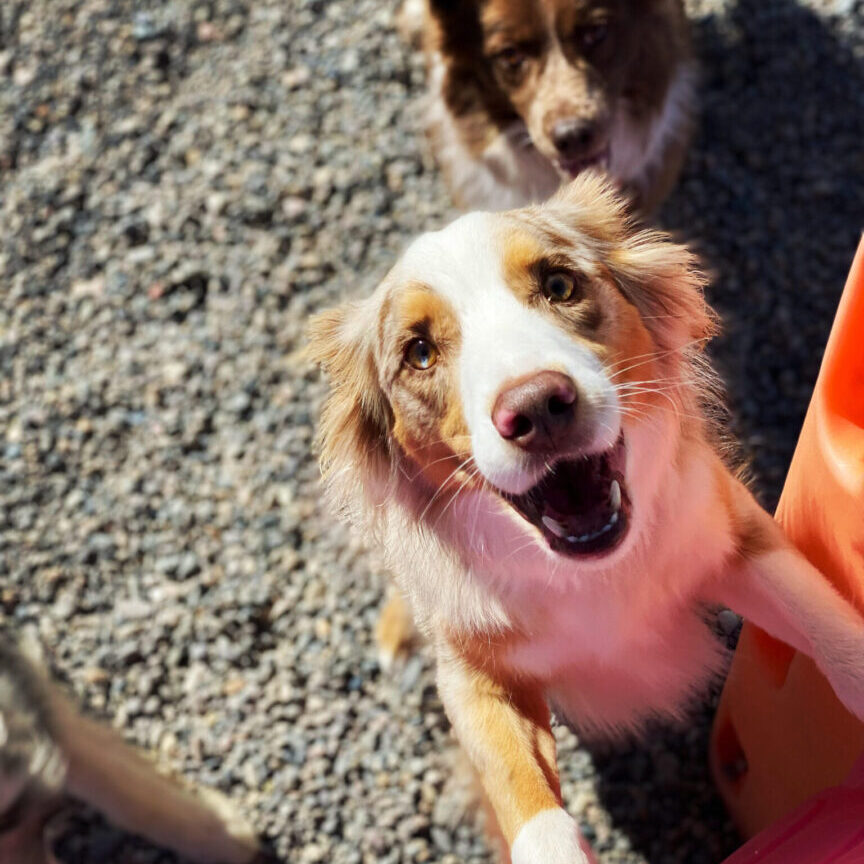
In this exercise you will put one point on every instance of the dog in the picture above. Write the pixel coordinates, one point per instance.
(48, 749)
(521, 413)
(526, 94)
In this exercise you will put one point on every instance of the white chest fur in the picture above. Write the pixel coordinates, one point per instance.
(617, 644)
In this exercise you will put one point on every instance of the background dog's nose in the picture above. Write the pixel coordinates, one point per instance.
(537, 413)
(573, 138)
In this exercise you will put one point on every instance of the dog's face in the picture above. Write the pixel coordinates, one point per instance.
(563, 68)
(515, 354)
(568, 69)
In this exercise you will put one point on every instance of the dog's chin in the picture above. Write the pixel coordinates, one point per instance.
(569, 169)
(581, 506)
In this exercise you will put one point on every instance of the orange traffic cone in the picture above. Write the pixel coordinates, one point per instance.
(781, 735)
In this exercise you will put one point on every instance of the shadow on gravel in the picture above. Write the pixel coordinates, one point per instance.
(780, 158)
(780, 155)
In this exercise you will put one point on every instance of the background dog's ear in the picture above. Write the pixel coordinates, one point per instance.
(458, 33)
(355, 420)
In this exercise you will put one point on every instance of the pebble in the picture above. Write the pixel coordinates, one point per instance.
(183, 186)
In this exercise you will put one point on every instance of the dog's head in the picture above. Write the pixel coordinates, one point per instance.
(541, 357)
(567, 69)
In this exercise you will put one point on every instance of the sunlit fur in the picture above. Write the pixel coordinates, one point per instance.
(412, 457)
(490, 128)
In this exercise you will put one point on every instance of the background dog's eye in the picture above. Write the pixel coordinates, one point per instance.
(590, 37)
(559, 286)
(421, 354)
(510, 59)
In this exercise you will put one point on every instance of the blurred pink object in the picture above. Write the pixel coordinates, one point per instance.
(827, 829)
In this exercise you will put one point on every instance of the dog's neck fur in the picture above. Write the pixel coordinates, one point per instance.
(510, 172)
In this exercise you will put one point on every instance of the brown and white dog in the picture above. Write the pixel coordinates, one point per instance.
(526, 94)
(521, 413)
(48, 749)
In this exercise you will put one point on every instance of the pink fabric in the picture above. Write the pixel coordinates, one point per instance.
(828, 829)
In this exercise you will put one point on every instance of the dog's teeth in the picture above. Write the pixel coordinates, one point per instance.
(583, 538)
(615, 496)
(554, 526)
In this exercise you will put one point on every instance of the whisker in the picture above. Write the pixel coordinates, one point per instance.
(443, 485)
(430, 464)
(456, 494)
(656, 407)
(650, 356)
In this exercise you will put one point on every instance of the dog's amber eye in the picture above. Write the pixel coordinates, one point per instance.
(559, 286)
(510, 59)
(421, 354)
(591, 37)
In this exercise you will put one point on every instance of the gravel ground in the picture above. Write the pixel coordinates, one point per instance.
(183, 182)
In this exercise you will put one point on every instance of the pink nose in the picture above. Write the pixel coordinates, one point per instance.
(537, 413)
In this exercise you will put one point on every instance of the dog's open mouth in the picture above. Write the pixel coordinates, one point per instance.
(574, 167)
(581, 506)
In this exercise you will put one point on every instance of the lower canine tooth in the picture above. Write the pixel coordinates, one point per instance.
(615, 495)
(555, 527)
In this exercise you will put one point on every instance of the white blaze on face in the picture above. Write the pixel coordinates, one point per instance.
(502, 339)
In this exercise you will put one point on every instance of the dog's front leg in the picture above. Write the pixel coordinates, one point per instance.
(773, 585)
(504, 728)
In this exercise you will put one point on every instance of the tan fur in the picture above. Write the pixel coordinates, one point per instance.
(513, 625)
(504, 727)
(427, 419)
(395, 632)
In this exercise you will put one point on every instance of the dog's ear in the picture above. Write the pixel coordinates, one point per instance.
(444, 8)
(459, 32)
(355, 420)
(666, 283)
(661, 278)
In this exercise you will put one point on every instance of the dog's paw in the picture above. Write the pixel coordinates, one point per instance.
(550, 837)
(395, 633)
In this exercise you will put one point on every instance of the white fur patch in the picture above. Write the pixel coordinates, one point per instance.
(502, 340)
(550, 837)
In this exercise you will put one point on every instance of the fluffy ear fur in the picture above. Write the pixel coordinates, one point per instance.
(664, 280)
(355, 420)
(660, 277)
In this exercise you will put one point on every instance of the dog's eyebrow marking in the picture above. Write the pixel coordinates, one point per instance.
(522, 252)
(419, 306)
